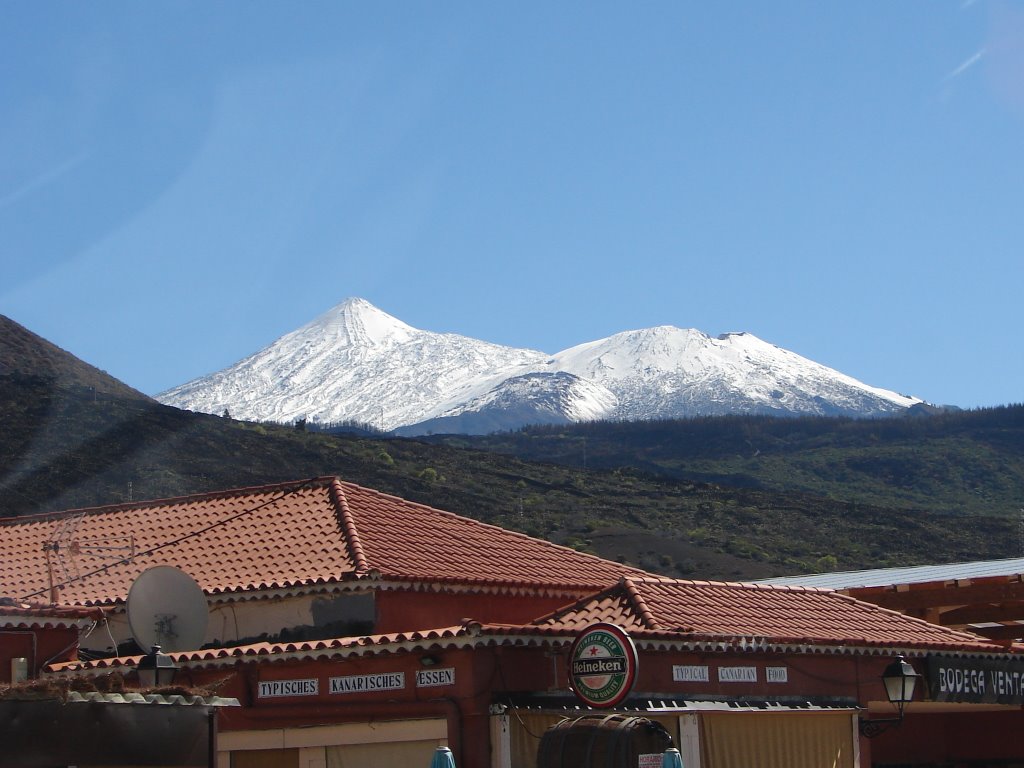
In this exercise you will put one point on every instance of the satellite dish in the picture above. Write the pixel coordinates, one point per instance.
(167, 608)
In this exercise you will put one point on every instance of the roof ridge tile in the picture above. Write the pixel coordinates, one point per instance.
(639, 604)
(348, 527)
(191, 498)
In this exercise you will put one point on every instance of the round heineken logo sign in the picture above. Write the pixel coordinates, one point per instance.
(602, 665)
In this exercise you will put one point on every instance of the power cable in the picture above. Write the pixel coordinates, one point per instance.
(173, 542)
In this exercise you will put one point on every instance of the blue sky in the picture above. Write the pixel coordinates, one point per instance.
(182, 183)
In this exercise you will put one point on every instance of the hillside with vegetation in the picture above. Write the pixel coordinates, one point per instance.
(953, 462)
(70, 444)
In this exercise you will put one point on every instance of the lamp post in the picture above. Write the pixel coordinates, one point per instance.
(156, 669)
(900, 680)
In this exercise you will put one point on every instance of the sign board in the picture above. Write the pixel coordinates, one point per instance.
(977, 680)
(603, 665)
(273, 688)
(737, 674)
(387, 681)
(426, 678)
(682, 673)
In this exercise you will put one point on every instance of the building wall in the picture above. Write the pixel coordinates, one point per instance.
(382, 743)
(362, 693)
(959, 737)
(38, 646)
(461, 685)
(403, 610)
(343, 614)
(471, 680)
(320, 616)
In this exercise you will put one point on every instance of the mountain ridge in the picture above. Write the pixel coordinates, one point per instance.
(358, 363)
(808, 493)
(25, 353)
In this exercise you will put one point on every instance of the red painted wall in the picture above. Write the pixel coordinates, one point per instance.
(807, 676)
(399, 611)
(484, 673)
(39, 645)
(465, 704)
(952, 738)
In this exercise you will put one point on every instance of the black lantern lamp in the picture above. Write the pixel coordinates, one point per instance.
(900, 680)
(156, 669)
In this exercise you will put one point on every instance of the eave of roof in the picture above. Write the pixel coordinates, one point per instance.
(472, 634)
(780, 614)
(132, 697)
(47, 616)
(334, 649)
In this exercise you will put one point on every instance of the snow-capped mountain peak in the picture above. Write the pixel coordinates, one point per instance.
(358, 363)
(357, 321)
(355, 363)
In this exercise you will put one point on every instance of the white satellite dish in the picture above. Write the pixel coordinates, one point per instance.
(167, 608)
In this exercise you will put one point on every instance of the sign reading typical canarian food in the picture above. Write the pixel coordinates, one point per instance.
(602, 665)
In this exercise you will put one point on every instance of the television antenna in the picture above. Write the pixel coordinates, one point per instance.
(64, 547)
(166, 607)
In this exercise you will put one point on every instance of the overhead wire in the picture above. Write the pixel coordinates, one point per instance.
(193, 534)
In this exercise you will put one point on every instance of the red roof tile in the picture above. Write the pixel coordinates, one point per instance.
(418, 640)
(18, 615)
(402, 539)
(297, 534)
(779, 614)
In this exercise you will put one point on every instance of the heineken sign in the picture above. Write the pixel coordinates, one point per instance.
(602, 665)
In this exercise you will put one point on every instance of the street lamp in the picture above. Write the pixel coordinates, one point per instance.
(156, 669)
(899, 679)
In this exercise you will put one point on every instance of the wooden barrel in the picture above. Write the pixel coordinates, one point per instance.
(601, 741)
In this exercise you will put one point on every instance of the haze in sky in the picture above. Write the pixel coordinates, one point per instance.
(181, 183)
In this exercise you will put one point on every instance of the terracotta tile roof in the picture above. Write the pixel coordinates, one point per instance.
(779, 614)
(405, 540)
(554, 634)
(297, 534)
(335, 648)
(25, 616)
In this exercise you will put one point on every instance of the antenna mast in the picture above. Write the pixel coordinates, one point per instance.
(63, 549)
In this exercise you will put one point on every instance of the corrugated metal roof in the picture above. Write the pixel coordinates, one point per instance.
(882, 577)
(130, 697)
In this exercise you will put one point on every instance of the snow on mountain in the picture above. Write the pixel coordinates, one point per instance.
(532, 398)
(672, 372)
(357, 363)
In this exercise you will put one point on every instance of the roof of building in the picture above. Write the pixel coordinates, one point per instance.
(319, 531)
(658, 613)
(33, 616)
(984, 597)
(881, 577)
(778, 614)
(332, 648)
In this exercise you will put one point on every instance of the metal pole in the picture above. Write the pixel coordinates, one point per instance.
(211, 742)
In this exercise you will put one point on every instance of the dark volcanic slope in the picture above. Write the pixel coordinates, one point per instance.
(24, 353)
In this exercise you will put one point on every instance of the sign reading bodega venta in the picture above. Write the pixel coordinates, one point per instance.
(603, 665)
(976, 680)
